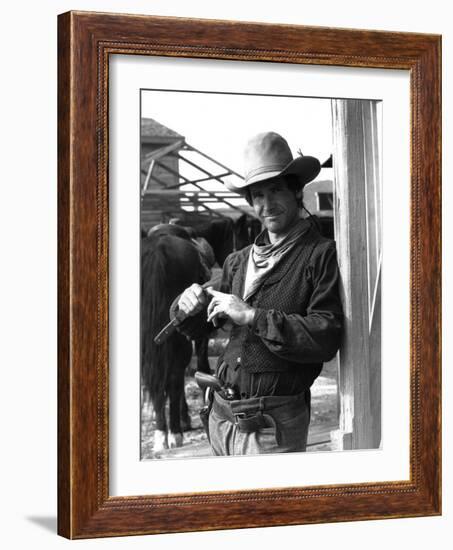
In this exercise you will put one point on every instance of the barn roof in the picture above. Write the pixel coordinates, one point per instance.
(151, 128)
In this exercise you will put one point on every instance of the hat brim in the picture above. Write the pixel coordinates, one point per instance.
(304, 168)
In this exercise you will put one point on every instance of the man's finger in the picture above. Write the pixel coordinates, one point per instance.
(214, 293)
(215, 313)
(211, 306)
(195, 298)
(189, 304)
(182, 306)
(199, 293)
(190, 300)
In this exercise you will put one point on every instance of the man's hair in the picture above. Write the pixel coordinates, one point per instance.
(293, 185)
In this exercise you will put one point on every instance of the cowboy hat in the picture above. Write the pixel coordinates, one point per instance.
(267, 155)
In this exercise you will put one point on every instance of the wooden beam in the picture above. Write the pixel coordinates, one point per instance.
(163, 151)
(187, 181)
(351, 173)
(191, 148)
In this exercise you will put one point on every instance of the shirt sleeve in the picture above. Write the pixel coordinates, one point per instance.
(316, 335)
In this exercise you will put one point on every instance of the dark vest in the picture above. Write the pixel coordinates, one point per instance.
(288, 289)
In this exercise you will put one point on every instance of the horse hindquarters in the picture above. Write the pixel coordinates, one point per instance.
(169, 265)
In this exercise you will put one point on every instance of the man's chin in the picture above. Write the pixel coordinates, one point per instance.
(273, 224)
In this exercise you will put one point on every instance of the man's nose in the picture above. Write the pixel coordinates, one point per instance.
(268, 202)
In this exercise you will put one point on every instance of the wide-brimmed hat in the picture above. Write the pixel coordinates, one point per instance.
(267, 155)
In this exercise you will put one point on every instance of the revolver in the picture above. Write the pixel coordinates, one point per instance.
(226, 391)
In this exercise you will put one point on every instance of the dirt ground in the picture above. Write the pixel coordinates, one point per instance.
(324, 418)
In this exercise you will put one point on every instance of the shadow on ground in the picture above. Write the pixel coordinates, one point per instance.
(49, 523)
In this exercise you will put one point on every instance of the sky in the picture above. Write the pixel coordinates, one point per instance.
(220, 124)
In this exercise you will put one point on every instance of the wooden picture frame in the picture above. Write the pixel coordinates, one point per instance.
(85, 41)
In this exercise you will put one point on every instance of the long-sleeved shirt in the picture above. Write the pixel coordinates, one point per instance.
(297, 324)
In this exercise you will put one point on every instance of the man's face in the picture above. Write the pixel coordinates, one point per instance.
(276, 206)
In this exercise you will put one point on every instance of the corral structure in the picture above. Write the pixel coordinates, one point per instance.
(180, 181)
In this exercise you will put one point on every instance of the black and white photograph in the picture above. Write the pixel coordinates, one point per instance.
(261, 260)
(201, 346)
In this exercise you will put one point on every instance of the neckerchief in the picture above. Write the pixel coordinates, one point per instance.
(264, 256)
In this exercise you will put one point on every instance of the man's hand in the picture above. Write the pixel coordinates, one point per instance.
(227, 305)
(193, 300)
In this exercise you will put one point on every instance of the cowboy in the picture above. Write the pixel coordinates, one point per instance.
(280, 296)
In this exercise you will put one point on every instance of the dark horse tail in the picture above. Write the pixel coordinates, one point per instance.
(155, 304)
(169, 265)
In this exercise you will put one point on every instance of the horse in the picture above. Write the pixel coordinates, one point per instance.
(165, 229)
(169, 264)
(219, 233)
(187, 233)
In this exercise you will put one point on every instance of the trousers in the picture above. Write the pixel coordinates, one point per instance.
(260, 425)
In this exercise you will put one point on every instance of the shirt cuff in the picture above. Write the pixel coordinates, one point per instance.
(259, 324)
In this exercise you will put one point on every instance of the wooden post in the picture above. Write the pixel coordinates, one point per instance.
(373, 190)
(356, 211)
